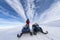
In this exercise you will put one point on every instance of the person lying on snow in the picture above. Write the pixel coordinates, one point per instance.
(36, 28)
(25, 29)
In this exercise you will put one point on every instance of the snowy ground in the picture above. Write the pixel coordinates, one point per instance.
(11, 34)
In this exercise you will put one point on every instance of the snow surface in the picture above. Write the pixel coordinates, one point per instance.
(11, 34)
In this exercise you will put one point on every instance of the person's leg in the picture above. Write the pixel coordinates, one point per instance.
(23, 30)
(29, 31)
(19, 35)
(41, 30)
(34, 30)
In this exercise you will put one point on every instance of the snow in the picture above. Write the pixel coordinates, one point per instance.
(11, 34)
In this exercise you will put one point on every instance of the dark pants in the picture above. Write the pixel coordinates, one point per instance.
(25, 30)
(38, 29)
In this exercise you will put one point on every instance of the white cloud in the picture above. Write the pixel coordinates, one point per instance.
(6, 13)
(17, 7)
(51, 14)
(30, 10)
(9, 24)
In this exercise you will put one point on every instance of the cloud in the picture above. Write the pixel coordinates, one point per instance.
(9, 24)
(17, 7)
(30, 10)
(6, 12)
(52, 14)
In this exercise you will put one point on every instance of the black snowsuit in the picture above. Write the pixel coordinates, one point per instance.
(36, 29)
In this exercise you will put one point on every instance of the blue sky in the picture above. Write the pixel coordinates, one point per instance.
(20, 10)
(40, 7)
(6, 12)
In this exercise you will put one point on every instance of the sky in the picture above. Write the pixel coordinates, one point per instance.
(13, 12)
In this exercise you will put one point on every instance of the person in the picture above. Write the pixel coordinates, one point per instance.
(25, 29)
(36, 29)
(28, 22)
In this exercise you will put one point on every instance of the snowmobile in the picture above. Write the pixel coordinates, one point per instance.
(36, 29)
(25, 29)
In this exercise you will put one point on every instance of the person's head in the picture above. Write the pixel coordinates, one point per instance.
(35, 23)
(27, 19)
